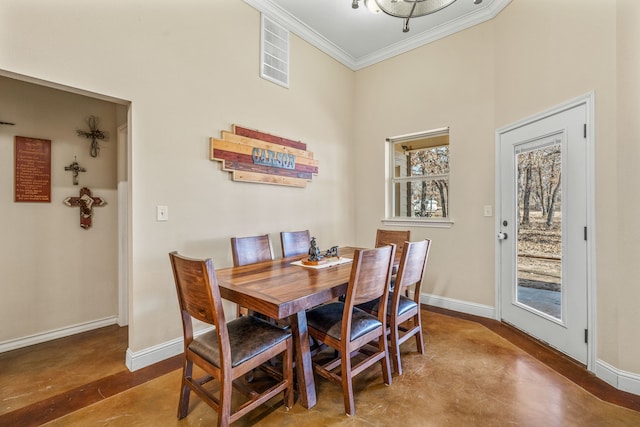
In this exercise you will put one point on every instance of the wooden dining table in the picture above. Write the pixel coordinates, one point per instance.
(282, 290)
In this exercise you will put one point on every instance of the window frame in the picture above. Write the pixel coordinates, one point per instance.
(391, 181)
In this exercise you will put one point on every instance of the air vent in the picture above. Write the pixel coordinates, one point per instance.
(274, 63)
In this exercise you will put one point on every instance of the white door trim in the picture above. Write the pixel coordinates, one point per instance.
(123, 225)
(589, 101)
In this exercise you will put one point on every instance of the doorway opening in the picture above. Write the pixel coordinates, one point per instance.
(51, 110)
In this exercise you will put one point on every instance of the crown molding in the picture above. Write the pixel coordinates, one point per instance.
(303, 31)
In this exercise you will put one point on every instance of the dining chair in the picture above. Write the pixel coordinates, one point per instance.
(228, 351)
(295, 243)
(397, 237)
(250, 250)
(350, 330)
(402, 309)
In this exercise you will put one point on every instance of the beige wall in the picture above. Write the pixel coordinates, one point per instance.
(554, 51)
(628, 203)
(447, 83)
(530, 58)
(53, 273)
(190, 70)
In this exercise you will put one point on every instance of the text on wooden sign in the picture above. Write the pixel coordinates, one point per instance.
(32, 178)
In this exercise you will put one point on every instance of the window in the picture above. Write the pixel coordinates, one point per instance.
(419, 176)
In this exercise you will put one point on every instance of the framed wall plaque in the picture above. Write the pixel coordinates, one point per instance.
(32, 176)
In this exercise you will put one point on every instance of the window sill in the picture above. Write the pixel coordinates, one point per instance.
(414, 222)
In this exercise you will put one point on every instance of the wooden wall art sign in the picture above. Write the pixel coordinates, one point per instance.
(254, 156)
(32, 160)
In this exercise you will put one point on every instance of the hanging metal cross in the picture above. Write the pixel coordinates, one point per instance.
(94, 134)
(85, 202)
(75, 168)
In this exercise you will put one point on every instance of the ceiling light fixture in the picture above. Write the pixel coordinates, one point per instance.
(407, 9)
(372, 6)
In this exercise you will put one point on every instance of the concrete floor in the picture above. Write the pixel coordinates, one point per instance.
(468, 376)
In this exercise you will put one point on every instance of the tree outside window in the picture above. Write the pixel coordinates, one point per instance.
(420, 178)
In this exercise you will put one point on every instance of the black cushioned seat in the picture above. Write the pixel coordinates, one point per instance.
(328, 319)
(248, 337)
(404, 306)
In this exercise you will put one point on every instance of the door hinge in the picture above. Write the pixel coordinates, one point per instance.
(586, 336)
(585, 233)
(585, 130)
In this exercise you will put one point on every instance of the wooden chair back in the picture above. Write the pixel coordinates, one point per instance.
(412, 265)
(397, 237)
(370, 275)
(250, 250)
(199, 297)
(295, 243)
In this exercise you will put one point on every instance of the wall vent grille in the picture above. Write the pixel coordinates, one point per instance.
(274, 52)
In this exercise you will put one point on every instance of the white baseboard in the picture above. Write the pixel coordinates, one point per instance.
(56, 333)
(148, 356)
(622, 380)
(458, 305)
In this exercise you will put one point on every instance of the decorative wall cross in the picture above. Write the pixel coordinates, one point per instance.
(75, 168)
(85, 202)
(94, 135)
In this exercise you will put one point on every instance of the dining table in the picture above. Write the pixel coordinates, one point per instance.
(285, 289)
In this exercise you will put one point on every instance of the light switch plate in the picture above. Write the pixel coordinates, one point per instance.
(162, 213)
(488, 211)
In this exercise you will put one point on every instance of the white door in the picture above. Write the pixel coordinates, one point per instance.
(543, 229)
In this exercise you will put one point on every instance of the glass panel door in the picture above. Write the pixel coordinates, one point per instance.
(541, 230)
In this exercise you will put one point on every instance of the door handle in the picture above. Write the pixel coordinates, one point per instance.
(502, 236)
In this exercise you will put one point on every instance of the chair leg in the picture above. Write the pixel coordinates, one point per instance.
(395, 349)
(419, 340)
(224, 410)
(386, 366)
(185, 390)
(347, 384)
